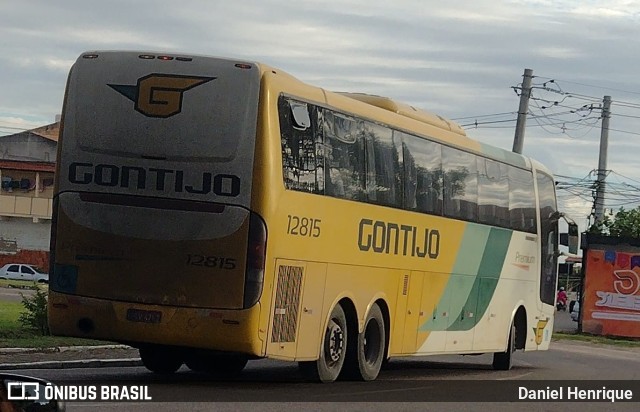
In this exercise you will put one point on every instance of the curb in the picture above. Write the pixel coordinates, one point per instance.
(62, 349)
(70, 364)
(74, 364)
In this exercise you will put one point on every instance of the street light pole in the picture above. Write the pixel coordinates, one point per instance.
(518, 138)
(602, 161)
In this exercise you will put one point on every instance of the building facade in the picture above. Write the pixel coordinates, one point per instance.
(27, 164)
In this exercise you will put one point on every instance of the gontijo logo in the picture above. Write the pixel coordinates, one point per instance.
(159, 95)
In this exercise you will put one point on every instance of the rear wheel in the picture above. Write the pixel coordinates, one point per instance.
(162, 360)
(503, 360)
(371, 343)
(333, 351)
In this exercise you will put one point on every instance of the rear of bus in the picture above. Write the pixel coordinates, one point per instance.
(153, 240)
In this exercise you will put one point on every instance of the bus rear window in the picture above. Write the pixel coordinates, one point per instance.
(204, 115)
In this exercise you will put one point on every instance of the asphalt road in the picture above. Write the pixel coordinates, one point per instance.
(405, 385)
(563, 322)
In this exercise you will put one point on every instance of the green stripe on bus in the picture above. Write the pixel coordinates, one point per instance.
(471, 249)
(463, 276)
(486, 281)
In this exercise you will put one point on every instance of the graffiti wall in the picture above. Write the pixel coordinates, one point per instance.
(611, 300)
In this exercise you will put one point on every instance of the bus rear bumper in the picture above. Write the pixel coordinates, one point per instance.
(140, 324)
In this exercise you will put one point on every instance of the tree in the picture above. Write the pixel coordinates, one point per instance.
(625, 223)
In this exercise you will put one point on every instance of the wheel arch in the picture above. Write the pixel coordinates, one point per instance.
(520, 323)
(384, 308)
(351, 313)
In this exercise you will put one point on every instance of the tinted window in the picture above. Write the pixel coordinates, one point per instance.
(13, 268)
(26, 269)
(548, 237)
(331, 153)
(302, 160)
(522, 206)
(384, 166)
(217, 132)
(493, 193)
(345, 156)
(460, 184)
(423, 175)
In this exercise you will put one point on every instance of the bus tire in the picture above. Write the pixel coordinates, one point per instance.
(160, 359)
(218, 364)
(502, 361)
(371, 344)
(333, 349)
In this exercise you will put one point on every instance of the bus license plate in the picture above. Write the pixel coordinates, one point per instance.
(146, 316)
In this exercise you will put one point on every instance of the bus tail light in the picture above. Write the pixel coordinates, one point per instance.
(256, 252)
(53, 236)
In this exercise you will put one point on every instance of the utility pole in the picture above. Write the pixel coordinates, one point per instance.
(602, 161)
(518, 138)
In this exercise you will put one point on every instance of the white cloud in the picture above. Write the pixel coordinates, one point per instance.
(559, 52)
(102, 36)
(458, 58)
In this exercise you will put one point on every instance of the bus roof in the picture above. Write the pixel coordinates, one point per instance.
(458, 136)
(408, 111)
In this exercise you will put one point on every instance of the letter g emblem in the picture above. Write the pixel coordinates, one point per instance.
(159, 95)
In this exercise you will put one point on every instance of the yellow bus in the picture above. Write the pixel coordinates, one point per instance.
(214, 211)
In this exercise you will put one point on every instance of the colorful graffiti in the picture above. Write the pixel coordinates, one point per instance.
(611, 293)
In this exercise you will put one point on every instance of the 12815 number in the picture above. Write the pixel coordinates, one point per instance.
(211, 261)
(303, 226)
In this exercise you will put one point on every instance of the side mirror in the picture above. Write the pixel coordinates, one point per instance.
(571, 239)
(25, 393)
(574, 238)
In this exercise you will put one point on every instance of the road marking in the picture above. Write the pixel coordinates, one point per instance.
(514, 377)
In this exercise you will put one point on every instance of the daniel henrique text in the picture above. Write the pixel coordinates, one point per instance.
(574, 393)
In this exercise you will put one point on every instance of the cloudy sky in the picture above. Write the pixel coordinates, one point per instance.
(459, 59)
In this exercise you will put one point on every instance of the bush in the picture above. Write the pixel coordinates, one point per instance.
(35, 316)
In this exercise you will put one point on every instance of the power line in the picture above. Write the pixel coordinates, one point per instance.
(586, 123)
(623, 131)
(624, 115)
(593, 86)
(614, 172)
(483, 115)
(476, 124)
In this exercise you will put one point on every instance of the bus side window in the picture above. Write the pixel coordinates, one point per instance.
(493, 193)
(302, 152)
(522, 206)
(345, 156)
(384, 166)
(460, 184)
(423, 174)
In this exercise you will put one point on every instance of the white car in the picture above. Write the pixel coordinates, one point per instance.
(20, 271)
